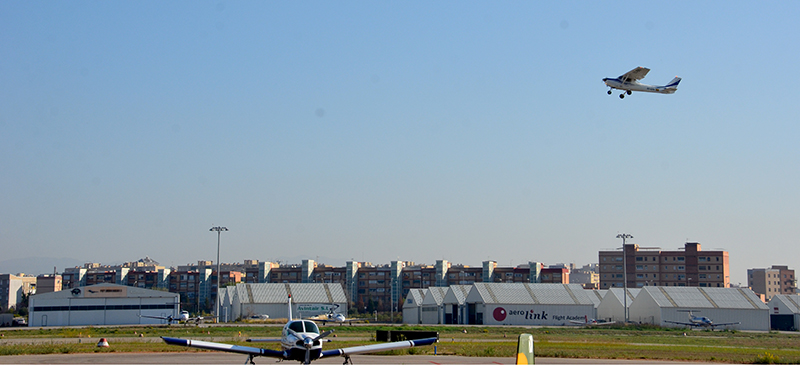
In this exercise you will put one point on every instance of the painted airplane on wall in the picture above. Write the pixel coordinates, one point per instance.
(629, 82)
(300, 341)
(182, 318)
(334, 317)
(703, 322)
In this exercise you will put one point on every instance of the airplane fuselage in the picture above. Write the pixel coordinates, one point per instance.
(297, 337)
(616, 83)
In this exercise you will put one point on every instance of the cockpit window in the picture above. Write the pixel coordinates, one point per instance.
(296, 326)
(311, 327)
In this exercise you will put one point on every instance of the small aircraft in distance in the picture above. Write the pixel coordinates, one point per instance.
(591, 322)
(335, 317)
(182, 318)
(629, 82)
(703, 322)
(300, 341)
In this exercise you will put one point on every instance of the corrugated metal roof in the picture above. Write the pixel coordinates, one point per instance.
(269, 293)
(460, 292)
(416, 296)
(698, 297)
(617, 292)
(790, 301)
(534, 293)
(435, 295)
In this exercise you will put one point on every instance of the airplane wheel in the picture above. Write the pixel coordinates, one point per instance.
(609, 92)
(629, 92)
(622, 96)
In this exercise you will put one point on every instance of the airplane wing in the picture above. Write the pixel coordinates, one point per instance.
(683, 323)
(253, 351)
(156, 317)
(635, 74)
(725, 324)
(347, 351)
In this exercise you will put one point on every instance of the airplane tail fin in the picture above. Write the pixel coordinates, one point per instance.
(525, 349)
(674, 83)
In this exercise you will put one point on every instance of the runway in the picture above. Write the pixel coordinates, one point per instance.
(225, 358)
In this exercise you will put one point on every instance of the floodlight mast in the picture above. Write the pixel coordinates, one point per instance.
(219, 231)
(624, 236)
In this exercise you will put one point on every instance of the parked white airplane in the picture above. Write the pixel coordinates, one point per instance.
(300, 341)
(182, 318)
(705, 322)
(630, 82)
(590, 322)
(335, 317)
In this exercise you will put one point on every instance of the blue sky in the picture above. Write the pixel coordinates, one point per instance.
(380, 131)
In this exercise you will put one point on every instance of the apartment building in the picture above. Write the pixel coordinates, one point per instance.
(654, 267)
(366, 285)
(48, 283)
(13, 287)
(772, 281)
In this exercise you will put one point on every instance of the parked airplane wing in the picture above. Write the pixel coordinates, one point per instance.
(254, 351)
(725, 324)
(635, 74)
(683, 323)
(347, 351)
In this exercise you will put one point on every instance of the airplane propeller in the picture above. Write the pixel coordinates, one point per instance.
(308, 343)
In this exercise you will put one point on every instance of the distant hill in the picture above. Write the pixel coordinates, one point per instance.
(37, 265)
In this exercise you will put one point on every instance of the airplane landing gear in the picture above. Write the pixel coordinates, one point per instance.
(622, 96)
(629, 92)
(609, 92)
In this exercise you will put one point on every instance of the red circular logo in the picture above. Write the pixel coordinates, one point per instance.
(499, 314)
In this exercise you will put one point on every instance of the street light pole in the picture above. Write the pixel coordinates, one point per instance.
(219, 231)
(624, 236)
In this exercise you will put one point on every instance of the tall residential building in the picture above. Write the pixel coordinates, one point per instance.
(13, 287)
(772, 281)
(654, 267)
(48, 283)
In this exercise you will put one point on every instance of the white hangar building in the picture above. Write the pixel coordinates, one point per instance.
(412, 307)
(656, 304)
(529, 304)
(248, 299)
(101, 304)
(432, 310)
(785, 312)
(454, 302)
(612, 306)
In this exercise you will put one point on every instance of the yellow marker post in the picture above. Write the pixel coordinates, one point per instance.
(525, 349)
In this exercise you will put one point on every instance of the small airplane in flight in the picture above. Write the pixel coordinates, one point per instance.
(703, 322)
(300, 341)
(335, 317)
(629, 82)
(182, 318)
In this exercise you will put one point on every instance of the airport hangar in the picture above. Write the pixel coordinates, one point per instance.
(101, 304)
(535, 304)
(785, 312)
(657, 304)
(311, 299)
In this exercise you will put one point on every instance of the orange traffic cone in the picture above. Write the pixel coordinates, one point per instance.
(102, 343)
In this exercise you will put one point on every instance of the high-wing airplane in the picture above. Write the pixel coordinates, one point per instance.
(182, 318)
(590, 322)
(300, 341)
(630, 82)
(335, 317)
(704, 322)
